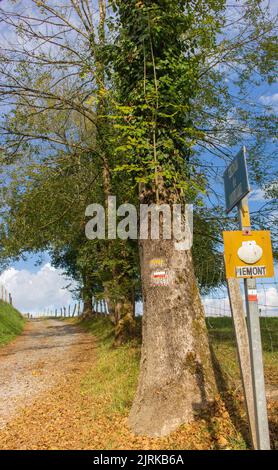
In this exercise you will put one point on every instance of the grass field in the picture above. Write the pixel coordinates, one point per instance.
(11, 323)
(112, 383)
(223, 341)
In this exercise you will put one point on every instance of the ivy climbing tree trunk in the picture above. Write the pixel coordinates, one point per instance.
(162, 48)
(176, 376)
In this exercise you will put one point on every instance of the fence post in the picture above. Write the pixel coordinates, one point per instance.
(74, 309)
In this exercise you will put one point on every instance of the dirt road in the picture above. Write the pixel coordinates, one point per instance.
(46, 402)
(45, 355)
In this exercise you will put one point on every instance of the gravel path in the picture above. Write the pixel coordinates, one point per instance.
(40, 358)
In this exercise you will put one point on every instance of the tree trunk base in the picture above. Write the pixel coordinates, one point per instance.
(162, 411)
(125, 327)
(88, 310)
(176, 376)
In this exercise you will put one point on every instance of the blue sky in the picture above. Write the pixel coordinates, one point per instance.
(31, 263)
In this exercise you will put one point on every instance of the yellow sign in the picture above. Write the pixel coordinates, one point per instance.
(248, 254)
(157, 262)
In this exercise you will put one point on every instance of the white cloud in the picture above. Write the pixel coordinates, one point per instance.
(270, 100)
(34, 292)
(268, 301)
(257, 195)
(263, 195)
(217, 306)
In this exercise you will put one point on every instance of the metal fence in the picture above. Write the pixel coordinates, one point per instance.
(216, 302)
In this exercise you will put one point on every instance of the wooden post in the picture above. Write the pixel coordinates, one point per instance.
(242, 342)
(10, 299)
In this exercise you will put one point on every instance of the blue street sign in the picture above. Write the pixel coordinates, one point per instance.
(236, 181)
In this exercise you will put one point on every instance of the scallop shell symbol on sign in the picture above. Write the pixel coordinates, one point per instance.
(250, 252)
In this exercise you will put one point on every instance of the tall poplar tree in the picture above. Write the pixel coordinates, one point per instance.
(174, 101)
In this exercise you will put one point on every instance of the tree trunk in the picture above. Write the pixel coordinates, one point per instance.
(87, 296)
(125, 322)
(176, 374)
(88, 308)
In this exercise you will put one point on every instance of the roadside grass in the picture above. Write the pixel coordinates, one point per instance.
(11, 323)
(113, 379)
(222, 338)
(111, 383)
